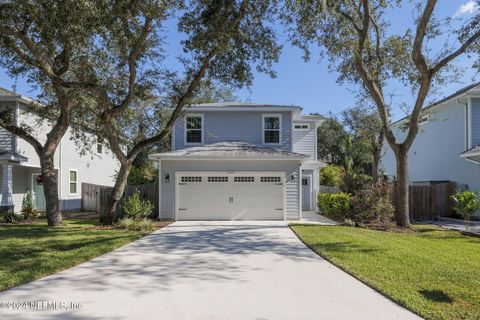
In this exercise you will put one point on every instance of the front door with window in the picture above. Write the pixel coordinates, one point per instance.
(38, 195)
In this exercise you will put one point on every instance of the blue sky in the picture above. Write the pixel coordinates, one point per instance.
(310, 84)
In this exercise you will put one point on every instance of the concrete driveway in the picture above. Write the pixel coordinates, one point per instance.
(214, 270)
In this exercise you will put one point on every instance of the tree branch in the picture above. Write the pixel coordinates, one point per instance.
(442, 63)
(417, 54)
(132, 66)
(22, 133)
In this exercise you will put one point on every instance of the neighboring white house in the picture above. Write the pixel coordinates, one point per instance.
(21, 166)
(240, 161)
(447, 147)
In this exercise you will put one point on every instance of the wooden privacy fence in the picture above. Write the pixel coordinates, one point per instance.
(95, 197)
(328, 189)
(430, 201)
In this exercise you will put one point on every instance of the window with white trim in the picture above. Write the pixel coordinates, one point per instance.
(217, 179)
(73, 181)
(271, 129)
(303, 126)
(270, 179)
(191, 179)
(99, 148)
(243, 179)
(423, 120)
(194, 129)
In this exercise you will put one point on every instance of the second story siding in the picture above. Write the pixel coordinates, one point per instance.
(235, 126)
(7, 140)
(475, 122)
(304, 138)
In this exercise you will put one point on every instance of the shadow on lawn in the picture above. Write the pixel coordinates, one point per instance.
(436, 295)
(344, 247)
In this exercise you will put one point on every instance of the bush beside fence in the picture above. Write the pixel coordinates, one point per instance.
(95, 197)
(426, 202)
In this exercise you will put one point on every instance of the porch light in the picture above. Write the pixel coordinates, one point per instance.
(293, 178)
(167, 178)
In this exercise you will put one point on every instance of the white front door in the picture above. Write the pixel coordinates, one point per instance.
(306, 193)
(217, 196)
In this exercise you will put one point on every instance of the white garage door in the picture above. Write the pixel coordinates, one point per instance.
(246, 196)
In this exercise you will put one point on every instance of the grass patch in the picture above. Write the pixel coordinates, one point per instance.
(32, 251)
(433, 272)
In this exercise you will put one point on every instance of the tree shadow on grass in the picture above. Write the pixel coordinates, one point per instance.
(436, 295)
(344, 247)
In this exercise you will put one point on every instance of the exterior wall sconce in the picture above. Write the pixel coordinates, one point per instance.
(167, 178)
(293, 178)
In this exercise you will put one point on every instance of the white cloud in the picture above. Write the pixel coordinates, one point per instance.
(467, 8)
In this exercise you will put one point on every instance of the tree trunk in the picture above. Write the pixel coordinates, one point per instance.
(116, 193)
(377, 155)
(402, 214)
(50, 188)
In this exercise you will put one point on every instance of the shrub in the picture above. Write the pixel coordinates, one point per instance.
(354, 182)
(466, 203)
(334, 205)
(9, 218)
(135, 208)
(27, 207)
(373, 206)
(144, 225)
(331, 175)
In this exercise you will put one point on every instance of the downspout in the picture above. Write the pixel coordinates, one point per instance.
(160, 189)
(469, 123)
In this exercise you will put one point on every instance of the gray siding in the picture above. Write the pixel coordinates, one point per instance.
(6, 139)
(167, 202)
(304, 141)
(235, 126)
(435, 153)
(475, 122)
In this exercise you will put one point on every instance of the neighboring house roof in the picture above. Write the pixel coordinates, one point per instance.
(471, 89)
(229, 150)
(7, 95)
(472, 154)
(313, 117)
(11, 157)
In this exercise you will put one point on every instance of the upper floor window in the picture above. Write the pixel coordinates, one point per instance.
(423, 120)
(194, 129)
(302, 126)
(272, 126)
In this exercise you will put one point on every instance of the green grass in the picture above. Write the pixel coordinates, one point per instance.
(29, 252)
(433, 272)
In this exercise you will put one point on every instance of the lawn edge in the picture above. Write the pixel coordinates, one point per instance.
(347, 271)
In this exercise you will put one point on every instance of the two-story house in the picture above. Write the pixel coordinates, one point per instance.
(21, 173)
(240, 161)
(447, 147)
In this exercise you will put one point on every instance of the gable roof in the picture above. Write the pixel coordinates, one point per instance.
(242, 106)
(233, 104)
(472, 88)
(229, 150)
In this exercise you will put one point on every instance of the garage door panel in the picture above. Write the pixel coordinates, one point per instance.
(236, 197)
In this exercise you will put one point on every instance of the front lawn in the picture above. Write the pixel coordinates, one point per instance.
(32, 251)
(433, 272)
